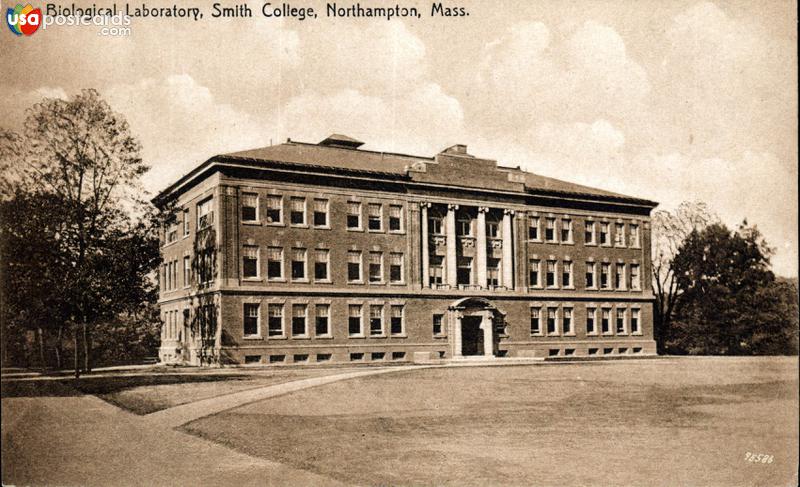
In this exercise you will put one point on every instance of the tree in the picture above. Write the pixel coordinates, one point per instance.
(670, 229)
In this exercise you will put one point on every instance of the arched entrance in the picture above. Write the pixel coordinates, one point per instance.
(473, 323)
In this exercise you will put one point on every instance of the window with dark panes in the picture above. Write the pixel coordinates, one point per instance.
(320, 212)
(251, 319)
(323, 327)
(298, 264)
(375, 267)
(275, 316)
(299, 320)
(375, 216)
(354, 266)
(395, 218)
(274, 263)
(321, 263)
(396, 325)
(396, 267)
(274, 209)
(250, 261)
(353, 215)
(376, 319)
(249, 207)
(297, 209)
(354, 320)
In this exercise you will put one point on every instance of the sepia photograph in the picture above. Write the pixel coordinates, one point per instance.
(369, 243)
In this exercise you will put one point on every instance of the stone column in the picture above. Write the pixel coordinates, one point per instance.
(455, 331)
(480, 246)
(508, 255)
(425, 249)
(488, 334)
(450, 230)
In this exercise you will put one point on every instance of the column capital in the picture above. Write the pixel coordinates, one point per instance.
(508, 211)
(483, 209)
(424, 204)
(452, 206)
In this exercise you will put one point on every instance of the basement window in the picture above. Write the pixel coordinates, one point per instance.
(252, 359)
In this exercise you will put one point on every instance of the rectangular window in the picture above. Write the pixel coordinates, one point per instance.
(353, 215)
(321, 264)
(187, 271)
(619, 277)
(550, 229)
(376, 319)
(249, 207)
(551, 273)
(172, 232)
(250, 262)
(492, 230)
(591, 327)
(395, 218)
(375, 217)
(635, 323)
(435, 225)
(492, 272)
(438, 325)
(533, 228)
(534, 271)
(274, 209)
(274, 263)
(354, 320)
(464, 271)
(322, 326)
(320, 212)
(588, 235)
(566, 274)
(297, 211)
(436, 269)
(604, 229)
(396, 265)
(376, 267)
(551, 321)
(590, 281)
(185, 222)
(205, 214)
(299, 320)
(251, 319)
(354, 266)
(396, 325)
(298, 264)
(536, 321)
(566, 320)
(464, 228)
(275, 312)
(619, 234)
(605, 281)
(566, 230)
(635, 239)
(620, 320)
(636, 280)
(605, 321)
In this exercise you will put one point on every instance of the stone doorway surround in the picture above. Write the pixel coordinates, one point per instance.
(477, 306)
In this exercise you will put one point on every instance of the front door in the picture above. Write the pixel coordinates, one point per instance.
(471, 335)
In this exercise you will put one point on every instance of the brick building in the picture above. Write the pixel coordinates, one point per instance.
(305, 253)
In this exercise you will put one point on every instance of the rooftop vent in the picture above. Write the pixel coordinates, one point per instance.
(338, 140)
(458, 149)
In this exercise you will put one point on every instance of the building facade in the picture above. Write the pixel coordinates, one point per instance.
(311, 253)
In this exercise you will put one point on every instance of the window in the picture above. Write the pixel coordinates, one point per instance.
(464, 228)
(635, 239)
(320, 213)
(298, 264)
(395, 218)
(251, 319)
(276, 359)
(396, 325)
(464, 271)
(376, 267)
(604, 234)
(377, 355)
(323, 357)
(492, 230)
(438, 325)
(297, 211)
(533, 272)
(300, 357)
(375, 319)
(322, 325)
(435, 225)
(588, 235)
(299, 320)
(398, 355)
(605, 322)
(205, 214)
(635, 328)
(185, 222)
(274, 209)
(590, 281)
(356, 356)
(619, 234)
(436, 269)
(396, 267)
(566, 321)
(536, 321)
(172, 233)
(321, 263)
(605, 270)
(354, 320)
(619, 277)
(274, 263)
(187, 271)
(636, 280)
(250, 262)
(621, 320)
(566, 274)
(354, 266)
(375, 217)
(566, 230)
(492, 272)
(252, 359)
(249, 207)
(550, 230)
(591, 327)
(353, 215)
(551, 321)
(551, 273)
(533, 228)
(275, 317)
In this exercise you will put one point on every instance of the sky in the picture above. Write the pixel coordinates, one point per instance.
(665, 100)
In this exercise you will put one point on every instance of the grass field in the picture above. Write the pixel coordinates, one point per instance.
(673, 421)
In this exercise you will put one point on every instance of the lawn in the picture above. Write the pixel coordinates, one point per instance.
(672, 421)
